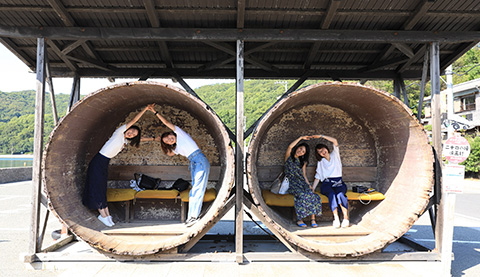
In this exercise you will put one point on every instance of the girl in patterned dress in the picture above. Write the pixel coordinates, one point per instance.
(307, 203)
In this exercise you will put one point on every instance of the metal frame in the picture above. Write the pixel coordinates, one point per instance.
(241, 198)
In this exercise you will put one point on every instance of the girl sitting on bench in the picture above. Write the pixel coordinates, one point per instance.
(329, 171)
(307, 203)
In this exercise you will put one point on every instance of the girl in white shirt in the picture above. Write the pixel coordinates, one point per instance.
(329, 172)
(179, 142)
(95, 191)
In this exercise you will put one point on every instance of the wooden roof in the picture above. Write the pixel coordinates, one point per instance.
(325, 39)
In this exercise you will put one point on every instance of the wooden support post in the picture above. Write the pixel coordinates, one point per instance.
(422, 85)
(52, 95)
(239, 153)
(403, 89)
(37, 149)
(75, 94)
(443, 238)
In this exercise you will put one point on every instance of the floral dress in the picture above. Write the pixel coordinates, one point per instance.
(306, 202)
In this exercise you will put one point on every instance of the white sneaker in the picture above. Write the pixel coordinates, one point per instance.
(110, 219)
(345, 223)
(191, 221)
(336, 223)
(104, 220)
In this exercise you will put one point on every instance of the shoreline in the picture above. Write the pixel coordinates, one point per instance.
(17, 156)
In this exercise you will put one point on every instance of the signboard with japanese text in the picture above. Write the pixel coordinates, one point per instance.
(456, 149)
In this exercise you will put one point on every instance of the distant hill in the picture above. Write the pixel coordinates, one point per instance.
(17, 118)
(17, 108)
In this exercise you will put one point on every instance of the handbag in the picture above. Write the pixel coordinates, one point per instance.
(280, 184)
(147, 182)
(181, 185)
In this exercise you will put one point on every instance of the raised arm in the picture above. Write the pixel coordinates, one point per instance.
(137, 117)
(290, 147)
(331, 139)
(163, 119)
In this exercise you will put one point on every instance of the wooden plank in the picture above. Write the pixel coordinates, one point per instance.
(224, 257)
(239, 151)
(165, 172)
(214, 34)
(34, 244)
(358, 174)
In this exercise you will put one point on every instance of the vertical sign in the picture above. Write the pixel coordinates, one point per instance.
(456, 150)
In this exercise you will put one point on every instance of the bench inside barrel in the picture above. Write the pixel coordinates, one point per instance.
(148, 212)
(283, 204)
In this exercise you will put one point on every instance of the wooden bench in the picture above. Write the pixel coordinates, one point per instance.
(363, 175)
(167, 174)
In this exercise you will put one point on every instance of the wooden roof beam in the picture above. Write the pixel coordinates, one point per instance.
(68, 20)
(383, 64)
(258, 35)
(412, 59)
(324, 25)
(155, 22)
(227, 59)
(92, 62)
(241, 13)
(420, 11)
(72, 66)
(72, 46)
(405, 49)
(229, 50)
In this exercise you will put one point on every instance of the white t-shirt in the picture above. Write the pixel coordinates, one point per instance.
(329, 169)
(185, 144)
(115, 143)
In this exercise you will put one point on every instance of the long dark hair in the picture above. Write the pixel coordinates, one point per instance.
(303, 159)
(167, 148)
(135, 141)
(320, 146)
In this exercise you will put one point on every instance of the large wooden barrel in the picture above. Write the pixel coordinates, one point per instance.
(382, 145)
(84, 130)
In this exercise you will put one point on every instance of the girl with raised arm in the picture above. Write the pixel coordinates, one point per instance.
(329, 172)
(307, 203)
(95, 191)
(179, 142)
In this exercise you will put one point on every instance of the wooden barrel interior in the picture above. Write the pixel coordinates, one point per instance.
(377, 133)
(83, 131)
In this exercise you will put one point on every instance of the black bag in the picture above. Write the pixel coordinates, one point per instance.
(148, 182)
(181, 185)
(360, 189)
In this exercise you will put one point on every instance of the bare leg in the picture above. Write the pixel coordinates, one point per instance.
(103, 212)
(345, 212)
(335, 214)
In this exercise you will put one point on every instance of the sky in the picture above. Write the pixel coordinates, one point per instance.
(16, 76)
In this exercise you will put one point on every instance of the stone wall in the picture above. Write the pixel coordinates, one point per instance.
(15, 174)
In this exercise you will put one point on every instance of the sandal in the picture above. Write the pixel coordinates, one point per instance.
(302, 224)
(314, 224)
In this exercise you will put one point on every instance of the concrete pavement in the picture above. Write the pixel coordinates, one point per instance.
(15, 203)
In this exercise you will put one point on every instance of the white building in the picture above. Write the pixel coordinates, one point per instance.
(466, 99)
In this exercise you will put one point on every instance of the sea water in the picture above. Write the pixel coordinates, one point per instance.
(15, 160)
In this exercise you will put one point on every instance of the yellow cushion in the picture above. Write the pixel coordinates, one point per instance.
(117, 195)
(287, 200)
(210, 195)
(373, 196)
(157, 194)
(284, 200)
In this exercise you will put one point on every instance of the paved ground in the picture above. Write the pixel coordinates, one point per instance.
(15, 210)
